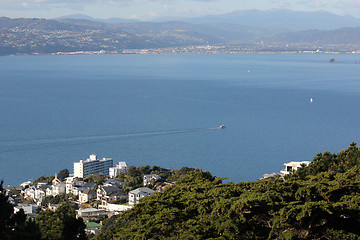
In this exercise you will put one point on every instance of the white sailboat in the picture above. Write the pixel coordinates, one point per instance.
(311, 100)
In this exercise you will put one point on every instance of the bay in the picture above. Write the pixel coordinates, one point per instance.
(165, 109)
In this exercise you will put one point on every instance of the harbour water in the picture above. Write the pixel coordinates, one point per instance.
(165, 109)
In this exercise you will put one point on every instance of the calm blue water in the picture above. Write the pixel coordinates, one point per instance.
(156, 110)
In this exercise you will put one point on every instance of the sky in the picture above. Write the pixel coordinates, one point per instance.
(152, 9)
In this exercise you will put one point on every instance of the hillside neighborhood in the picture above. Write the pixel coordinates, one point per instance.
(94, 200)
(95, 191)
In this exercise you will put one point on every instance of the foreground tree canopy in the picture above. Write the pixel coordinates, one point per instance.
(61, 224)
(321, 201)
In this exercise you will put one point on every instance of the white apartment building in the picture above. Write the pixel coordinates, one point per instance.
(92, 165)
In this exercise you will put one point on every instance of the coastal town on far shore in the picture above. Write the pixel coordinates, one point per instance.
(94, 189)
(222, 49)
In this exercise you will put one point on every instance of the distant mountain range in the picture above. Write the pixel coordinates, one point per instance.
(109, 20)
(282, 19)
(265, 28)
(286, 20)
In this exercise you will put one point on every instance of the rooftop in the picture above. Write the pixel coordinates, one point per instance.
(142, 189)
(85, 210)
(93, 225)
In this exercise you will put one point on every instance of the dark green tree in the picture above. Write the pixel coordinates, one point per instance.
(96, 178)
(319, 201)
(45, 179)
(61, 224)
(63, 174)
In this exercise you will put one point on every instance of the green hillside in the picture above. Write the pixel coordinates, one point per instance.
(320, 201)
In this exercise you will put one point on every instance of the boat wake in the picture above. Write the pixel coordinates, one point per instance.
(14, 145)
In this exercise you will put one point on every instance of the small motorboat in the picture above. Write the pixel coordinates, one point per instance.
(222, 126)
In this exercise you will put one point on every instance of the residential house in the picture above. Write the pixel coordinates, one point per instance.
(150, 179)
(93, 227)
(137, 194)
(89, 214)
(86, 195)
(293, 166)
(29, 192)
(29, 209)
(37, 193)
(40, 193)
(72, 182)
(112, 182)
(75, 190)
(109, 194)
(115, 171)
(58, 189)
(49, 191)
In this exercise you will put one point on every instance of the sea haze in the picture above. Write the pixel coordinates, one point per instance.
(164, 110)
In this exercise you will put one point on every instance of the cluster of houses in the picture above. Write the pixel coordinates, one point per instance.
(106, 194)
(110, 197)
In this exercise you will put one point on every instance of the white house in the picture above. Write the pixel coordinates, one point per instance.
(58, 189)
(49, 191)
(137, 194)
(109, 194)
(150, 178)
(40, 194)
(28, 208)
(37, 193)
(75, 190)
(29, 192)
(71, 182)
(293, 166)
(114, 171)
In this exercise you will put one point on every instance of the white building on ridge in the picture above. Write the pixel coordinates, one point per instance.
(293, 166)
(92, 165)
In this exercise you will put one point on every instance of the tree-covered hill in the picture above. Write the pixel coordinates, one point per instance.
(320, 201)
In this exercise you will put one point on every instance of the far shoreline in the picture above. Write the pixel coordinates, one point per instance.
(191, 50)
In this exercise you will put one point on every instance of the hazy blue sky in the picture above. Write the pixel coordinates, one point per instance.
(148, 9)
